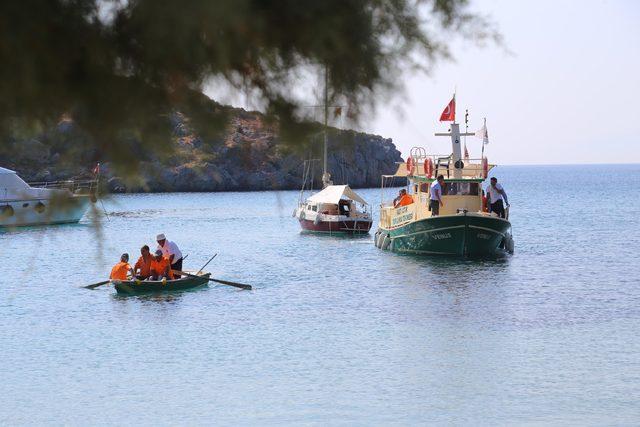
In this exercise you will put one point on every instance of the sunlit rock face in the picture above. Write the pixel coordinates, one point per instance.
(249, 156)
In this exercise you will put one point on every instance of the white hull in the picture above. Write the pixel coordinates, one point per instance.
(28, 212)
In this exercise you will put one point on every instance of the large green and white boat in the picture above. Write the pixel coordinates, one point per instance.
(463, 227)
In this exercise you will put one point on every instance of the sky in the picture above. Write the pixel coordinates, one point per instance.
(564, 88)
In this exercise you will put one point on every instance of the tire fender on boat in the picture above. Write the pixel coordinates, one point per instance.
(385, 242)
(302, 215)
(6, 211)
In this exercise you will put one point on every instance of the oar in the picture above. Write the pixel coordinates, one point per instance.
(224, 282)
(207, 263)
(95, 285)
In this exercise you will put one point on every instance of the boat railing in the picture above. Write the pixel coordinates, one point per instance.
(472, 168)
(75, 186)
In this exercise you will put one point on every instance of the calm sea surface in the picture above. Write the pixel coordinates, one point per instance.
(335, 331)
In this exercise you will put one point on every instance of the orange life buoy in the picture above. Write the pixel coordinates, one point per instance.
(410, 165)
(428, 167)
(485, 167)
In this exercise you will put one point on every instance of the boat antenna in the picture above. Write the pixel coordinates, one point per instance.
(325, 175)
(485, 129)
(466, 129)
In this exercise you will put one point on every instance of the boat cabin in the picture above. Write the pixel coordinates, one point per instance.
(461, 192)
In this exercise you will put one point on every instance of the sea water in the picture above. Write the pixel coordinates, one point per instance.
(335, 332)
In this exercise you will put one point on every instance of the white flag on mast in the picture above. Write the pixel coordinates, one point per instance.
(483, 133)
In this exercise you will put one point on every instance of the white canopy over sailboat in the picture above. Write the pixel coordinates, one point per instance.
(334, 193)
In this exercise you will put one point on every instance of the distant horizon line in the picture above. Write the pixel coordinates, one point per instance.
(570, 164)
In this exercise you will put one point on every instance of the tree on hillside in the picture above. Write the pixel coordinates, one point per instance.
(119, 68)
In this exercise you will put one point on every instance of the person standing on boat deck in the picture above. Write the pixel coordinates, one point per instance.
(171, 251)
(142, 269)
(435, 199)
(497, 198)
(121, 269)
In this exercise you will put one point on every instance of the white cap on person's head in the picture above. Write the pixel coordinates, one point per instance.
(160, 236)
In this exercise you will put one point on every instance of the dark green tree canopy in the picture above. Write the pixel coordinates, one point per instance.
(120, 68)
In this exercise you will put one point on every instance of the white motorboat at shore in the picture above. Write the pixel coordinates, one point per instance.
(60, 202)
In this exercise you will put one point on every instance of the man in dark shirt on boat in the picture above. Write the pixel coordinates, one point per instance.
(435, 198)
(495, 196)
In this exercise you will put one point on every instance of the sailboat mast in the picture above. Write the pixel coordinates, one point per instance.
(325, 176)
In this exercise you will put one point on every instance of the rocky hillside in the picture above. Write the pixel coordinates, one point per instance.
(249, 157)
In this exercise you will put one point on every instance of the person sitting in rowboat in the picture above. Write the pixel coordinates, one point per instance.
(403, 199)
(160, 267)
(171, 251)
(121, 269)
(142, 269)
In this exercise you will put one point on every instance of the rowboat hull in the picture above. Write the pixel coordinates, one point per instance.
(133, 287)
(463, 234)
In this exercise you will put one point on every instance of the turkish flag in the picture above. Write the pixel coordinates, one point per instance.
(449, 113)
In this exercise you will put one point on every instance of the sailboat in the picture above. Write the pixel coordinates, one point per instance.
(336, 208)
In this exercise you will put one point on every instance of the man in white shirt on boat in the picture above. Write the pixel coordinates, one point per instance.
(497, 198)
(435, 199)
(171, 251)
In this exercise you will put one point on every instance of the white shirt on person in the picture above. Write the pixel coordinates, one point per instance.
(494, 193)
(169, 249)
(435, 186)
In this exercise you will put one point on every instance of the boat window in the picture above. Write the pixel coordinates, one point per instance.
(314, 208)
(24, 205)
(308, 207)
(415, 188)
(424, 187)
(461, 189)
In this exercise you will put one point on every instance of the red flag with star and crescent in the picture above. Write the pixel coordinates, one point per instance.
(449, 113)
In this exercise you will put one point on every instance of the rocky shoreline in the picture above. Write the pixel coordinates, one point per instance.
(250, 157)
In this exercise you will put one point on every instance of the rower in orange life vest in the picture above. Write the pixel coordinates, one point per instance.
(403, 199)
(160, 267)
(121, 269)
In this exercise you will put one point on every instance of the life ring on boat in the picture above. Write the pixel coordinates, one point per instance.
(6, 211)
(411, 166)
(428, 167)
(302, 215)
(39, 207)
(485, 167)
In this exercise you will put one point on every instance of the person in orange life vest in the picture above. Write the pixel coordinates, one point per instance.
(403, 199)
(160, 267)
(121, 269)
(142, 269)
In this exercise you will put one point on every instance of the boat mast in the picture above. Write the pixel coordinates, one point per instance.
(326, 178)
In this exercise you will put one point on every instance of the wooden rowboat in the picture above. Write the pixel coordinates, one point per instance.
(132, 287)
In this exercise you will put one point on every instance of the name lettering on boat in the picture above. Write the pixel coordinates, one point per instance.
(483, 236)
(401, 216)
(440, 236)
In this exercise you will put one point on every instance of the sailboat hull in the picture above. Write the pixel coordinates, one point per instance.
(346, 226)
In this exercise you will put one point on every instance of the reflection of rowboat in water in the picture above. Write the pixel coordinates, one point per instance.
(132, 287)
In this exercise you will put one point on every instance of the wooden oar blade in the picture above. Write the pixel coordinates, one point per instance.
(224, 282)
(95, 285)
(237, 285)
